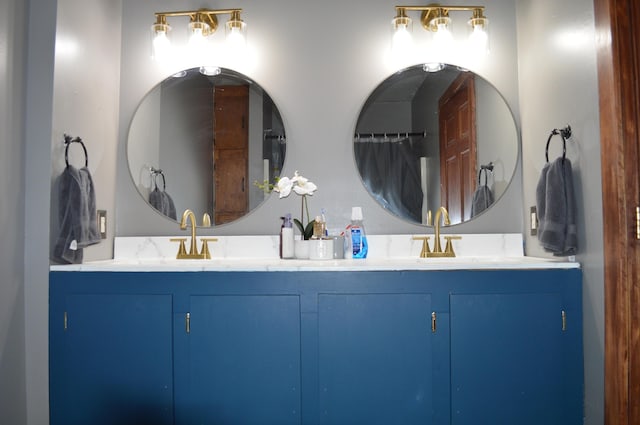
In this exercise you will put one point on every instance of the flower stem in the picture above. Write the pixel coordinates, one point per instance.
(306, 204)
(302, 211)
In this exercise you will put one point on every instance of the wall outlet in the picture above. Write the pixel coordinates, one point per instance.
(533, 221)
(102, 223)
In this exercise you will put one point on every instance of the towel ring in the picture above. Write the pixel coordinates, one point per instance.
(157, 173)
(68, 140)
(486, 169)
(565, 133)
(164, 181)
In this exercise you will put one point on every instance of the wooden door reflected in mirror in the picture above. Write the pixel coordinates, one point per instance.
(230, 152)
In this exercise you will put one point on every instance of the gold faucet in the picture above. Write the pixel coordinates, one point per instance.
(437, 247)
(193, 249)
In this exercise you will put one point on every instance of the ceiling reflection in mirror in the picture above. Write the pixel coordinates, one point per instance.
(206, 143)
(430, 139)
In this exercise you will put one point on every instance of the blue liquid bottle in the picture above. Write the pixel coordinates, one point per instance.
(359, 246)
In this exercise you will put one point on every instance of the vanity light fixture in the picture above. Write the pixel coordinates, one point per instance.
(202, 24)
(435, 18)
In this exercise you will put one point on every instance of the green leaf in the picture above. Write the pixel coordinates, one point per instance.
(306, 232)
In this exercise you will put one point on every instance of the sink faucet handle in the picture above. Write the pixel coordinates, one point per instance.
(425, 245)
(182, 250)
(204, 252)
(449, 246)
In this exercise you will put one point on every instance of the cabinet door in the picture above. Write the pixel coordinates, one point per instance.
(509, 360)
(375, 359)
(111, 360)
(243, 361)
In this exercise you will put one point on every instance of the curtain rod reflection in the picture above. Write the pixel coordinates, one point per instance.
(275, 137)
(388, 135)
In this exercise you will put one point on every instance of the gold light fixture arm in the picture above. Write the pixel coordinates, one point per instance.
(433, 12)
(207, 16)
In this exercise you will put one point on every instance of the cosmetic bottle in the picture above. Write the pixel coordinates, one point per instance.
(286, 237)
(358, 237)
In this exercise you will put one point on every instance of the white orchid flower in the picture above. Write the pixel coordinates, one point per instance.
(302, 185)
(284, 186)
(306, 188)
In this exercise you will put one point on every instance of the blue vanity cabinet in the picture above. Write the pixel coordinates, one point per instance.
(239, 360)
(375, 359)
(381, 357)
(516, 349)
(110, 355)
(316, 347)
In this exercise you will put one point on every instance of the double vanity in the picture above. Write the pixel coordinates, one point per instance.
(247, 338)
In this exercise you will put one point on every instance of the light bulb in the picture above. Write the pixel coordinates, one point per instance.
(161, 46)
(478, 33)
(478, 39)
(160, 43)
(443, 36)
(196, 38)
(401, 41)
(235, 37)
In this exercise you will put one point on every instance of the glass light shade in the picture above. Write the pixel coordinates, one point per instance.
(442, 35)
(479, 35)
(401, 40)
(198, 38)
(236, 31)
(160, 43)
(198, 31)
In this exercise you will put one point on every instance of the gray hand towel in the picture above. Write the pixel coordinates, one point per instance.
(541, 204)
(156, 200)
(77, 215)
(169, 206)
(557, 231)
(161, 201)
(482, 199)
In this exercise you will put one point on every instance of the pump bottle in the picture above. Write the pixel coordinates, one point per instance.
(286, 237)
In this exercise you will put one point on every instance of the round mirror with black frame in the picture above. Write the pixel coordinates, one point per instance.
(201, 140)
(436, 136)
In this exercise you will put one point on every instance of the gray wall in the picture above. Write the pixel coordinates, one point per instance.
(319, 77)
(12, 169)
(86, 83)
(319, 80)
(85, 102)
(37, 145)
(558, 86)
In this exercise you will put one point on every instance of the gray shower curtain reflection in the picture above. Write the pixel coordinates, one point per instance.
(391, 172)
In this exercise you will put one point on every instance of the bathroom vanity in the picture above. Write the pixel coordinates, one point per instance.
(339, 342)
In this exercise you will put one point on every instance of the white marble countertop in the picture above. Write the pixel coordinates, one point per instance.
(268, 264)
(260, 253)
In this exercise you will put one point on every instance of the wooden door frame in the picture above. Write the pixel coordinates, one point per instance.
(618, 73)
